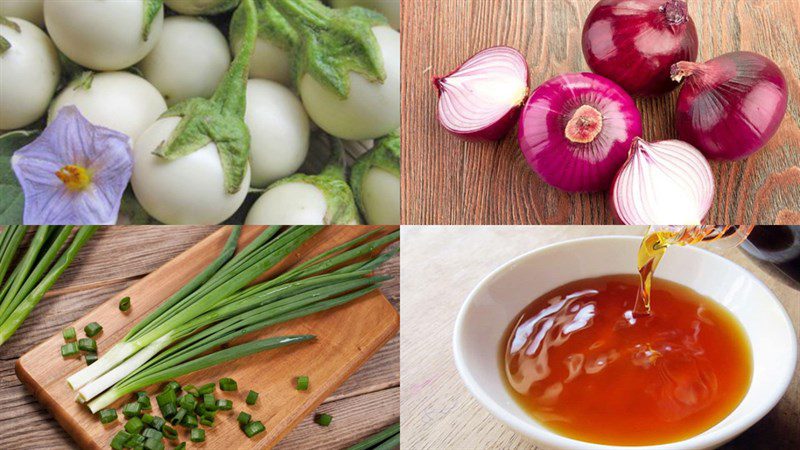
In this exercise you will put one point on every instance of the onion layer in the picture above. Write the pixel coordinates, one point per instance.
(663, 183)
(730, 106)
(481, 99)
(634, 42)
(576, 129)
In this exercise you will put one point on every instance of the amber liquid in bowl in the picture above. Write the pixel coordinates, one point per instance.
(580, 362)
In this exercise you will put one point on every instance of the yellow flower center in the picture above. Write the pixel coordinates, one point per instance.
(76, 178)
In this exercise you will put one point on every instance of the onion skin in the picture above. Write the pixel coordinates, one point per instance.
(496, 128)
(571, 164)
(730, 106)
(635, 42)
(662, 183)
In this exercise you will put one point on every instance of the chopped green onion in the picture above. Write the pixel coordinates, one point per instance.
(252, 396)
(93, 329)
(132, 409)
(169, 410)
(178, 417)
(158, 423)
(206, 389)
(302, 383)
(125, 304)
(166, 402)
(243, 418)
(87, 345)
(209, 402)
(207, 421)
(134, 425)
(188, 402)
(169, 432)
(228, 384)
(173, 386)
(152, 433)
(135, 441)
(388, 435)
(70, 350)
(143, 399)
(253, 428)
(224, 405)
(323, 419)
(189, 421)
(107, 415)
(197, 435)
(90, 358)
(120, 439)
(148, 419)
(153, 444)
(69, 334)
(181, 446)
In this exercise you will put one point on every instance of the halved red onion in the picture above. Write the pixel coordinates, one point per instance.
(576, 129)
(634, 42)
(730, 106)
(663, 183)
(481, 99)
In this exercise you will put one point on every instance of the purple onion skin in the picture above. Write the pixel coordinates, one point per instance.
(571, 166)
(731, 105)
(637, 49)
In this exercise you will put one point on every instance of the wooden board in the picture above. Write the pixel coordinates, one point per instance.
(346, 337)
(449, 181)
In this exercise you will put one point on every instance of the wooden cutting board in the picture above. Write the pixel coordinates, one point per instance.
(346, 338)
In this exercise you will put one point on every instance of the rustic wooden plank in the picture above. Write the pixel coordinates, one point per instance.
(448, 181)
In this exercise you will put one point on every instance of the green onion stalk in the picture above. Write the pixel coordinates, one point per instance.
(173, 340)
(45, 259)
(386, 439)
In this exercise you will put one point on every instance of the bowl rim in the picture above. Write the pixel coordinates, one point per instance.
(547, 437)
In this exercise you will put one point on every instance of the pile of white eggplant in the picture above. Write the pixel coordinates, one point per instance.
(140, 67)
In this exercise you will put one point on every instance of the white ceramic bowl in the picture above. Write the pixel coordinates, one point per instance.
(499, 297)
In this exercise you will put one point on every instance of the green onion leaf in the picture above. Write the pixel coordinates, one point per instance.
(189, 421)
(252, 396)
(91, 358)
(207, 421)
(228, 384)
(224, 405)
(198, 435)
(206, 389)
(70, 350)
(158, 423)
(386, 435)
(169, 432)
(69, 334)
(118, 443)
(173, 386)
(93, 329)
(181, 446)
(323, 419)
(209, 402)
(132, 409)
(253, 428)
(243, 419)
(107, 415)
(135, 441)
(87, 345)
(143, 399)
(188, 402)
(153, 444)
(178, 417)
(152, 433)
(134, 425)
(125, 304)
(302, 383)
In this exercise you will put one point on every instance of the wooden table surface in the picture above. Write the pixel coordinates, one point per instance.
(118, 257)
(449, 181)
(448, 262)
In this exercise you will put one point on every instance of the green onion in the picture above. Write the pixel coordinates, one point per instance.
(169, 410)
(143, 399)
(253, 428)
(386, 435)
(120, 439)
(178, 417)
(91, 358)
(173, 386)
(197, 435)
(93, 329)
(189, 421)
(191, 389)
(134, 425)
(132, 409)
(169, 432)
(392, 443)
(207, 421)
(252, 396)
(153, 444)
(87, 345)
(148, 419)
(224, 405)
(228, 384)
(152, 433)
(70, 350)
(206, 389)
(209, 402)
(188, 402)
(125, 304)
(135, 441)
(69, 334)
(36, 272)
(107, 415)
(302, 383)
(181, 446)
(323, 419)
(158, 423)
(243, 419)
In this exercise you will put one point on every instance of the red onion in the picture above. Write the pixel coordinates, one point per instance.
(663, 183)
(730, 106)
(634, 42)
(576, 129)
(481, 99)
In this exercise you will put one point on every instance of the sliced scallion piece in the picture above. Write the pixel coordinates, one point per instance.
(135, 441)
(206, 389)
(169, 410)
(158, 423)
(70, 350)
(188, 402)
(153, 444)
(91, 358)
(87, 345)
(107, 415)
(134, 425)
(302, 383)
(197, 435)
(224, 404)
(92, 329)
(119, 440)
(125, 304)
(143, 399)
(252, 396)
(178, 417)
(181, 446)
(209, 402)
(152, 433)
(243, 419)
(189, 421)
(323, 419)
(169, 432)
(207, 421)
(133, 409)
(173, 386)
(228, 384)
(253, 428)
(69, 334)
(148, 419)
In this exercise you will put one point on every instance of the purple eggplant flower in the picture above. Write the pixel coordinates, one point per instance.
(74, 173)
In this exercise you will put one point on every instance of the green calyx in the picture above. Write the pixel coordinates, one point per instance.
(384, 155)
(220, 119)
(151, 9)
(84, 81)
(332, 43)
(331, 182)
(272, 26)
(4, 44)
